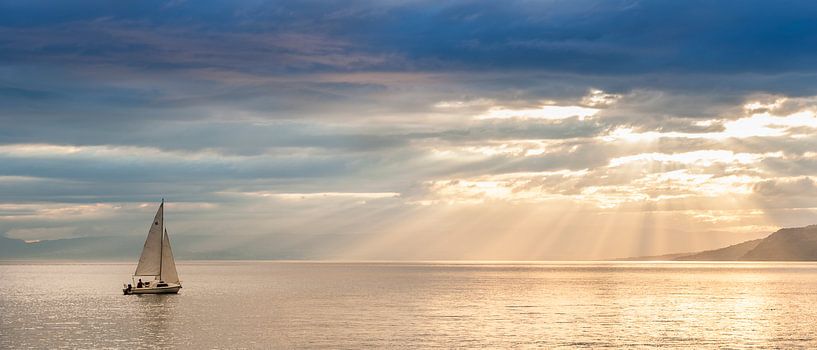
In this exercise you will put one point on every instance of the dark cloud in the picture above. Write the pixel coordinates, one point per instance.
(774, 188)
(609, 37)
(786, 194)
(732, 47)
(792, 165)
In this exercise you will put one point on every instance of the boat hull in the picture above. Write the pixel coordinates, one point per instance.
(153, 290)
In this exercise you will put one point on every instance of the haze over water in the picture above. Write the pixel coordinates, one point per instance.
(413, 305)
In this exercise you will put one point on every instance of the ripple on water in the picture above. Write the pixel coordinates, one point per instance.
(328, 305)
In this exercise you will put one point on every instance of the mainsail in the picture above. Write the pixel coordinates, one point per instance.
(168, 274)
(150, 263)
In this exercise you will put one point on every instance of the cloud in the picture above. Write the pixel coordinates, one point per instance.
(386, 119)
(42, 233)
(542, 112)
(804, 186)
(324, 195)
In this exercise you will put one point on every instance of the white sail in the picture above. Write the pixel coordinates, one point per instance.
(169, 273)
(150, 263)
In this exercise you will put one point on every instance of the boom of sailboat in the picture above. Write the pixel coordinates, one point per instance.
(156, 261)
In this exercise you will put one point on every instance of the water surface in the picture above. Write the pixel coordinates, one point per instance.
(413, 305)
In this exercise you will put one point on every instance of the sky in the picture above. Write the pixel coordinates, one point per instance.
(524, 130)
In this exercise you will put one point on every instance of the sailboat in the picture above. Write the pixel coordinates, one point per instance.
(156, 261)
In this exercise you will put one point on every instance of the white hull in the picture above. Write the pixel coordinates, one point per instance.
(171, 289)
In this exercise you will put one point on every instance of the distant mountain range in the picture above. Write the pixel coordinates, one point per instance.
(788, 244)
(185, 247)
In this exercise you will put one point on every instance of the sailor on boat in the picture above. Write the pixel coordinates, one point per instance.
(157, 261)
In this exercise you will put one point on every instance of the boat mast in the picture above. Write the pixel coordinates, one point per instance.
(162, 245)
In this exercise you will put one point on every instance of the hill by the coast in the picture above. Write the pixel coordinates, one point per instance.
(788, 244)
(730, 253)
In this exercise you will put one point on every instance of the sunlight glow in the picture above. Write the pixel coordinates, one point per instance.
(700, 158)
(458, 104)
(599, 98)
(512, 148)
(756, 125)
(525, 187)
(543, 112)
(765, 124)
(323, 195)
(546, 186)
(55, 211)
(37, 150)
(116, 152)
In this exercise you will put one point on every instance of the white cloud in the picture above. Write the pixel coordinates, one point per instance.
(599, 98)
(42, 233)
(543, 112)
(319, 195)
(700, 158)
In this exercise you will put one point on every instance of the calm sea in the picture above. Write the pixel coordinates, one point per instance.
(234, 305)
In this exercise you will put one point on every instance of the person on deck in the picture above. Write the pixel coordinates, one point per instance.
(139, 284)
